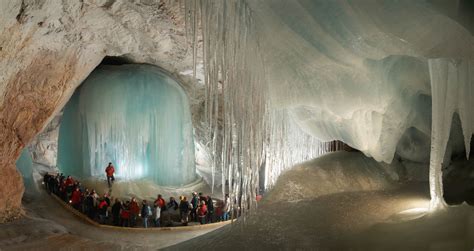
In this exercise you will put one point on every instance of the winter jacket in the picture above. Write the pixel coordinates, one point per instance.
(134, 208)
(116, 208)
(146, 211)
(76, 197)
(184, 206)
(202, 210)
(125, 214)
(156, 213)
(227, 205)
(110, 171)
(103, 207)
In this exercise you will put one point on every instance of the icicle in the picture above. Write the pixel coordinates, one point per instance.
(134, 116)
(244, 132)
(451, 91)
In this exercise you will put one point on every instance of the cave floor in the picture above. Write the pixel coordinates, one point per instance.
(348, 221)
(49, 226)
(345, 221)
(312, 207)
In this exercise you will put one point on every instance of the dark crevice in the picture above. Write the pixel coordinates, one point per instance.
(20, 18)
(112, 60)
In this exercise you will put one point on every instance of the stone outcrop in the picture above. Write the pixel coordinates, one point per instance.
(47, 48)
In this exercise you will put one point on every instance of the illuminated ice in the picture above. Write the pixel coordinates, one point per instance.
(25, 166)
(134, 116)
(355, 71)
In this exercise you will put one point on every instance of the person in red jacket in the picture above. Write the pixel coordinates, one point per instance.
(134, 211)
(109, 171)
(76, 198)
(103, 211)
(125, 215)
(202, 212)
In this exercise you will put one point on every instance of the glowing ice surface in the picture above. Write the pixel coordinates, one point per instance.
(134, 116)
(25, 166)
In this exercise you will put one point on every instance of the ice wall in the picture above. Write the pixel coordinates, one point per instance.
(25, 166)
(136, 117)
(352, 70)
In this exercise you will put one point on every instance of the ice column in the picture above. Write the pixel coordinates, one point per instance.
(134, 116)
(287, 144)
(452, 91)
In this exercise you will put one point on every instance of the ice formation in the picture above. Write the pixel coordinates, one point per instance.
(452, 91)
(25, 166)
(355, 71)
(136, 117)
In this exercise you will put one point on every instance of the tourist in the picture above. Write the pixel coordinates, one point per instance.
(210, 209)
(202, 212)
(109, 171)
(226, 208)
(102, 211)
(62, 191)
(46, 178)
(116, 212)
(171, 210)
(107, 199)
(172, 204)
(125, 214)
(160, 202)
(134, 211)
(79, 185)
(184, 208)
(52, 184)
(202, 197)
(69, 186)
(218, 210)
(89, 206)
(195, 204)
(156, 215)
(83, 200)
(95, 198)
(76, 199)
(146, 212)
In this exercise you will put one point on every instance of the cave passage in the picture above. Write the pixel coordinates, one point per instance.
(136, 117)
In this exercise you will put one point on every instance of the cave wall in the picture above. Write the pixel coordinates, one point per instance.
(47, 48)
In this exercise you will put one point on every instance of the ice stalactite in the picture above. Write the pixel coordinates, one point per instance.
(288, 144)
(134, 116)
(245, 131)
(452, 91)
(333, 64)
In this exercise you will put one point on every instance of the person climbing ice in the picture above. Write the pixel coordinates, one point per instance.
(110, 170)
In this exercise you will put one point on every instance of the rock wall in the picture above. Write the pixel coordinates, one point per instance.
(44, 147)
(47, 48)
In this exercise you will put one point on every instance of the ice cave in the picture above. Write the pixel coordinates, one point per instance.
(236, 124)
(134, 116)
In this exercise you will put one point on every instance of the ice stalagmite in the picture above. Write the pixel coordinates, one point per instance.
(134, 116)
(452, 91)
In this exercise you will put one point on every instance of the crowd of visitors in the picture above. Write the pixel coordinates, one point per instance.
(107, 210)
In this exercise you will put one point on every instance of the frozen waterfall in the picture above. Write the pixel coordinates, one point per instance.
(134, 116)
